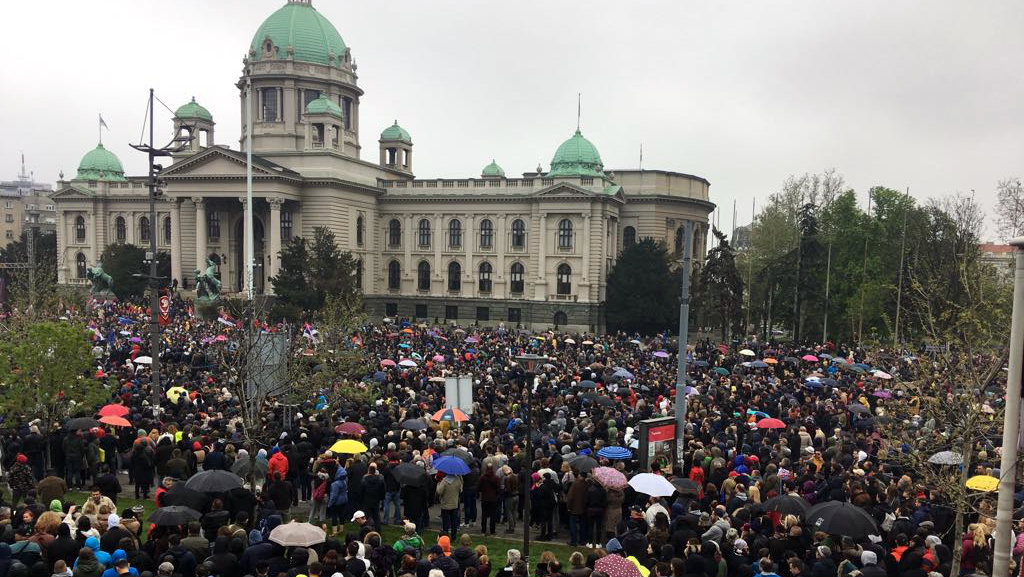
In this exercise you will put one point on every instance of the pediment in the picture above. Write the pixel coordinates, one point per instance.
(212, 162)
(73, 192)
(564, 190)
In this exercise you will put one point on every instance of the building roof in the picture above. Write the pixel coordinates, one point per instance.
(993, 248)
(576, 157)
(324, 105)
(396, 133)
(100, 164)
(493, 170)
(193, 110)
(298, 27)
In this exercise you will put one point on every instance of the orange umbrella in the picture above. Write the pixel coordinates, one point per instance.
(113, 411)
(770, 360)
(115, 421)
(450, 415)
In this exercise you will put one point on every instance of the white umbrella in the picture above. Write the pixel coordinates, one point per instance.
(143, 360)
(296, 534)
(651, 484)
(569, 342)
(407, 363)
(882, 375)
(946, 458)
(748, 353)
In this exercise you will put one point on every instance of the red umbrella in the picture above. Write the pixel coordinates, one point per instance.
(115, 421)
(770, 423)
(350, 428)
(450, 415)
(810, 358)
(113, 411)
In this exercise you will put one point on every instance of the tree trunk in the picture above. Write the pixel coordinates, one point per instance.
(961, 504)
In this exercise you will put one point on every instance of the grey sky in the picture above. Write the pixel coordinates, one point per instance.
(925, 94)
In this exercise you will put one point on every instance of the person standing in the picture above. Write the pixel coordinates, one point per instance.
(510, 495)
(449, 493)
(74, 454)
(392, 496)
(576, 506)
(489, 488)
(373, 493)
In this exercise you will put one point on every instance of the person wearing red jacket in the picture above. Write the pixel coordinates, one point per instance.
(277, 463)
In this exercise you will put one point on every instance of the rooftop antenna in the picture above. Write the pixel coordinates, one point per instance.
(641, 157)
(579, 109)
(23, 174)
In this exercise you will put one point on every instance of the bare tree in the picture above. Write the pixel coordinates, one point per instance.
(1010, 208)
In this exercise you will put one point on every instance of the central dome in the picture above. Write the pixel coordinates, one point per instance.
(577, 157)
(299, 27)
(100, 164)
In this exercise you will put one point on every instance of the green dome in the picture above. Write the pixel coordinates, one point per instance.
(324, 105)
(298, 25)
(577, 157)
(493, 170)
(396, 132)
(193, 110)
(100, 164)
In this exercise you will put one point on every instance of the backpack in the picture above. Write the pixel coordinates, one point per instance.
(320, 492)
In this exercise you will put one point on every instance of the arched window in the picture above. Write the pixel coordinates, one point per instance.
(80, 266)
(565, 234)
(213, 225)
(454, 277)
(486, 233)
(395, 233)
(679, 240)
(286, 225)
(485, 277)
(518, 234)
(454, 233)
(80, 229)
(563, 284)
(120, 230)
(359, 231)
(561, 319)
(628, 237)
(423, 276)
(144, 229)
(516, 278)
(394, 275)
(424, 233)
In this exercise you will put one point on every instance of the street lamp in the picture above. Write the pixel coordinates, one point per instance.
(529, 363)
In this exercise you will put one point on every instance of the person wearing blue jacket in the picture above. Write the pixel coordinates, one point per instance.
(101, 556)
(337, 501)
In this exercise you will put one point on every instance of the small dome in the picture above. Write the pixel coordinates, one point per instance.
(493, 170)
(192, 111)
(100, 164)
(577, 157)
(396, 132)
(324, 105)
(298, 26)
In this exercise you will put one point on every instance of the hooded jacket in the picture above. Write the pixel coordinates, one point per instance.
(339, 489)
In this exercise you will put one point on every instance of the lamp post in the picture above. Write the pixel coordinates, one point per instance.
(529, 363)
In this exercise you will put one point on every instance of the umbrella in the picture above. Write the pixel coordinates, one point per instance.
(407, 363)
(882, 394)
(748, 353)
(757, 413)
(459, 454)
(450, 415)
(583, 463)
(721, 371)
(609, 477)
(243, 466)
(686, 486)
(615, 453)
(623, 374)
(984, 483)
(296, 534)
(829, 382)
(81, 424)
(814, 385)
(113, 411)
(438, 358)
(387, 363)
(173, 515)
(882, 375)
(771, 361)
(587, 384)
(472, 340)
(414, 425)
(143, 360)
(660, 354)
(350, 428)
(380, 377)
(946, 458)
(174, 393)
(348, 447)
(855, 368)
(636, 342)
(788, 505)
(809, 358)
(700, 363)
(617, 566)
(793, 360)
(404, 346)
(759, 365)
(451, 466)
(569, 342)
(862, 366)
(770, 423)
(213, 481)
(858, 408)
(181, 496)
(651, 484)
(409, 474)
(115, 421)
(841, 518)
(598, 399)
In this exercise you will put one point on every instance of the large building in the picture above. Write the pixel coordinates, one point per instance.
(532, 250)
(25, 203)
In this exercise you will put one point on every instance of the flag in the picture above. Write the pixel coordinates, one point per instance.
(103, 124)
(310, 333)
(225, 320)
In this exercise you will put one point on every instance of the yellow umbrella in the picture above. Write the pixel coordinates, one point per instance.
(174, 393)
(985, 483)
(348, 447)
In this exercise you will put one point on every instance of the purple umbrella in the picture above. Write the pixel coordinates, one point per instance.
(882, 394)
(472, 340)
(136, 340)
(661, 354)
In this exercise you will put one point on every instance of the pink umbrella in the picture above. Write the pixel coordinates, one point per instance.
(882, 394)
(770, 423)
(609, 477)
(616, 566)
(472, 340)
(387, 363)
(350, 428)
(438, 358)
(810, 358)
(661, 354)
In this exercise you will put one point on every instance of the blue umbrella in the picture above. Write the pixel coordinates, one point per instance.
(588, 384)
(824, 356)
(404, 346)
(125, 321)
(758, 413)
(616, 453)
(759, 364)
(862, 366)
(623, 374)
(829, 382)
(700, 363)
(451, 466)
(814, 385)
(380, 377)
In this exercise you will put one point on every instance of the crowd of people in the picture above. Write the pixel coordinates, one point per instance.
(588, 399)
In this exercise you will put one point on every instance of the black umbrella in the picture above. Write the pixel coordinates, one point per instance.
(414, 425)
(409, 474)
(587, 384)
(243, 466)
(686, 486)
(583, 463)
(858, 408)
(213, 481)
(182, 496)
(81, 424)
(841, 518)
(460, 454)
(598, 399)
(793, 360)
(173, 516)
(788, 505)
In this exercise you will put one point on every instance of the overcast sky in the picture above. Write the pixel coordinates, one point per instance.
(927, 94)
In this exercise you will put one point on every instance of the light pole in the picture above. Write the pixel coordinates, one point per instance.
(529, 363)
(684, 331)
(1011, 420)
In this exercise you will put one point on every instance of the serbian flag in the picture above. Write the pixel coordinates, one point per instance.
(310, 333)
(226, 320)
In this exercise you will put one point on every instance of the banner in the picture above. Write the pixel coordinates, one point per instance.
(165, 310)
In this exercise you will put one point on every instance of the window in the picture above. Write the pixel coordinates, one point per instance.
(307, 97)
(8, 204)
(421, 311)
(8, 218)
(269, 104)
(50, 207)
(213, 225)
(454, 277)
(628, 237)
(359, 231)
(561, 319)
(486, 234)
(485, 277)
(423, 276)
(515, 315)
(394, 233)
(286, 225)
(679, 240)
(80, 266)
(346, 107)
(516, 278)
(359, 275)
(167, 230)
(391, 309)
(483, 313)
(120, 231)
(215, 259)
(9, 234)
(451, 313)
(454, 233)
(394, 275)
(518, 234)
(563, 282)
(424, 233)
(80, 228)
(564, 234)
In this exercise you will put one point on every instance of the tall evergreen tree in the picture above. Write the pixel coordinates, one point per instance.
(311, 271)
(643, 290)
(718, 298)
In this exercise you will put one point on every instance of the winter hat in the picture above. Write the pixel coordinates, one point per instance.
(613, 546)
(868, 558)
(22, 458)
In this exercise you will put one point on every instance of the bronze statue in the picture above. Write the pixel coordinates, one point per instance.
(102, 284)
(207, 284)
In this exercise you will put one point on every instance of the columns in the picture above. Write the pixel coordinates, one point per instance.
(500, 236)
(176, 241)
(438, 269)
(95, 232)
(275, 239)
(541, 286)
(470, 271)
(585, 273)
(201, 250)
(408, 237)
